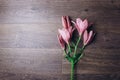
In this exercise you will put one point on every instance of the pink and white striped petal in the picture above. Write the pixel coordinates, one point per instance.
(64, 22)
(61, 41)
(85, 37)
(89, 37)
(65, 34)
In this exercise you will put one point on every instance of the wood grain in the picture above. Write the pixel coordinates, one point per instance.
(29, 49)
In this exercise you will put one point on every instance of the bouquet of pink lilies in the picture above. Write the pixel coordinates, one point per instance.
(72, 51)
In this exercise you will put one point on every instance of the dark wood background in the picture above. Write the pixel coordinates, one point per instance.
(29, 49)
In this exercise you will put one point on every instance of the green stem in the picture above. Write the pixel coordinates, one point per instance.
(72, 70)
(69, 48)
(77, 45)
(83, 48)
(65, 52)
(81, 52)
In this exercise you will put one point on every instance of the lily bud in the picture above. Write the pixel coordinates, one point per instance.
(65, 22)
(87, 37)
(67, 30)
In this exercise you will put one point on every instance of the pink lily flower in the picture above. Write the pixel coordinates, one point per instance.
(87, 37)
(61, 41)
(81, 25)
(65, 34)
(67, 30)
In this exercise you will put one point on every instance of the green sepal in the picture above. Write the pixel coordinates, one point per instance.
(68, 58)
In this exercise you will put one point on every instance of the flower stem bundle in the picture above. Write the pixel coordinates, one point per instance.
(73, 53)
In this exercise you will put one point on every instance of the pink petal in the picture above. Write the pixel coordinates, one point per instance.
(78, 29)
(79, 22)
(61, 41)
(81, 26)
(68, 21)
(65, 34)
(90, 37)
(64, 22)
(70, 29)
(85, 23)
(73, 29)
(85, 37)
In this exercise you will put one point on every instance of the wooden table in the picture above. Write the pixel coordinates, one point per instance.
(29, 49)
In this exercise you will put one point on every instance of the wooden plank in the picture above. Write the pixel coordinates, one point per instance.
(28, 36)
(94, 77)
(18, 76)
(96, 61)
(45, 36)
(51, 11)
(32, 61)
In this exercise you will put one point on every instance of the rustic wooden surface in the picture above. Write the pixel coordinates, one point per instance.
(29, 49)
